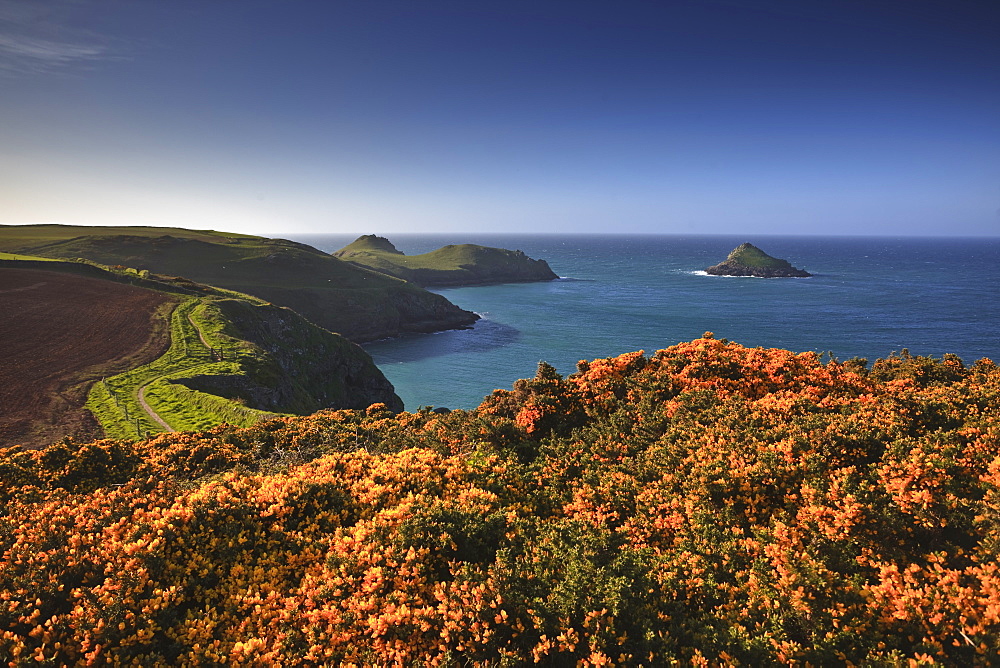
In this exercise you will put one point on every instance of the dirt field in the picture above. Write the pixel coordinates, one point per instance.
(58, 334)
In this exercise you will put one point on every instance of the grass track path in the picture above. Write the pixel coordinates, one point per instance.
(141, 394)
(197, 329)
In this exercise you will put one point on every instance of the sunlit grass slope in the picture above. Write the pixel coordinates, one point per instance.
(231, 358)
(15, 256)
(751, 256)
(359, 303)
(709, 504)
(19, 236)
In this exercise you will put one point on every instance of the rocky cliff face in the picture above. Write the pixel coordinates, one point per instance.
(300, 368)
(369, 315)
(418, 316)
(748, 260)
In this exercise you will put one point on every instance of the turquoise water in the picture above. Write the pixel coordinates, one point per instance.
(868, 297)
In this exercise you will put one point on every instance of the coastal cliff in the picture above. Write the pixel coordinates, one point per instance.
(122, 353)
(348, 298)
(299, 368)
(748, 260)
(449, 266)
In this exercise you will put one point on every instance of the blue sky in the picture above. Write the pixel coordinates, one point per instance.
(632, 116)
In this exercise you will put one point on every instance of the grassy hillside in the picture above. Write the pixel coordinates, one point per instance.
(360, 304)
(15, 256)
(228, 358)
(463, 264)
(749, 255)
(709, 504)
(17, 236)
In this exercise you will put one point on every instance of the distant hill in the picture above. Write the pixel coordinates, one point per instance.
(359, 303)
(452, 265)
(22, 236)
(206, 356)
(748, 260)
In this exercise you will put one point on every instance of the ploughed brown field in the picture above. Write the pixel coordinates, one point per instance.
(60, 332)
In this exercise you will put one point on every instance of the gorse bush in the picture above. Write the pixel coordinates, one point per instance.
(709, 504)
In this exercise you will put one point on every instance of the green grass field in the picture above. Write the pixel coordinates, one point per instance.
(17, 236)
(115, 401)
(15, 256)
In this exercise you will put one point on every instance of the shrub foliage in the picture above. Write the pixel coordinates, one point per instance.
(709, 504)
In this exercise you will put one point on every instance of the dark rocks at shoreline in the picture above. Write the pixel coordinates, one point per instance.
(722, 269)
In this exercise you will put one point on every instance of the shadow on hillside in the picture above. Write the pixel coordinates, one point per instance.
(485, 335)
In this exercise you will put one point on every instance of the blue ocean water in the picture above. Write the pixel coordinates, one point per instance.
(868, 297)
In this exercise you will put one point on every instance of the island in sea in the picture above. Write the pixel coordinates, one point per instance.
(451, 265)
(748, 260)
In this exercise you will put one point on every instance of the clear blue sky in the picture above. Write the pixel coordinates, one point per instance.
(689, 116)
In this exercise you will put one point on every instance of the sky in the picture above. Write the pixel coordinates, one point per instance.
(615, 116)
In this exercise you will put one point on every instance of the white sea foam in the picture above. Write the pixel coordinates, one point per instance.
(702, 272)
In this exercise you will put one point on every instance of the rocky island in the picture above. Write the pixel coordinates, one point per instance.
(748, 260)
(452, 265)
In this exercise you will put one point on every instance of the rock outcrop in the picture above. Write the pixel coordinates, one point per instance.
(300, 368)
(748, 260)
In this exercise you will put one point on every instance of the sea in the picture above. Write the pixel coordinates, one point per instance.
(868, 297)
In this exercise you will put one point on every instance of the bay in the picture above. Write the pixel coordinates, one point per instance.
(868, 297)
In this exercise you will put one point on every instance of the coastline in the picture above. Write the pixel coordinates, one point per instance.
(622, 293)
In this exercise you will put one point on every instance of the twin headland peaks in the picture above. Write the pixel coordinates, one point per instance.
(748, 260)
(451, 265)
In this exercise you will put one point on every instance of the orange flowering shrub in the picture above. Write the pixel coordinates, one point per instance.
(709, 504)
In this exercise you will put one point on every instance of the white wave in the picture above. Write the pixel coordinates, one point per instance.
(702, 272)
